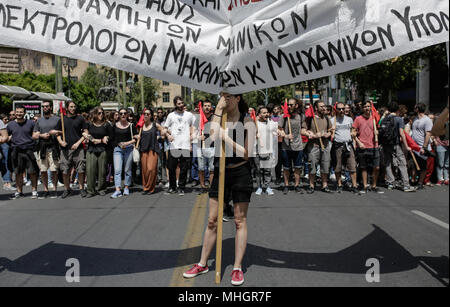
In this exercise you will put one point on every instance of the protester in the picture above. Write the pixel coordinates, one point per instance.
(72, 152)
(318, 129)
(150, 150)
(265, 158)
(162, 157)
(205, 152)
(22, 137)
(392, 137)
(4, 153)
(368, 151)
(238, 183)
(292, 147)
(125, 136)
(180, 125)
(100, 135)
(421, 134)
(342, 149)
(48, 153)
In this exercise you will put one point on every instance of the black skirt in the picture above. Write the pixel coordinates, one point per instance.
(238, 184)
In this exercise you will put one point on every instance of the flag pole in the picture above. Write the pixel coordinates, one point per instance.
(62, 121)
(221, 205)
(415, 160)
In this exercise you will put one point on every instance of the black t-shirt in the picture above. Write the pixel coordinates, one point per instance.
(21, 134)
(73, 128)
(99, 132)
(149, 140)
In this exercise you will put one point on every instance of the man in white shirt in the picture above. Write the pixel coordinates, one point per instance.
(180, 124)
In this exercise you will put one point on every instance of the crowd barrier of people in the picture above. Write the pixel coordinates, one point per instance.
(357, 147)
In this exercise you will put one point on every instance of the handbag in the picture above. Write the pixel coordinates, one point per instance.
(136, 153)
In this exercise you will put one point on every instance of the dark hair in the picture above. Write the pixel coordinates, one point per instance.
(176, 99)
(270, 107)
(421, 107)
(393, 107)
(243, 106)
(151, 113)
(206, 101)
(19, 107)
(94, 113)
(258, 111)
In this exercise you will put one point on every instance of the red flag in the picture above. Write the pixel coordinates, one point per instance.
(203, 119)
(334, 107)
(61, 109)
(253, 115)
(411, 143)
(310, 112)
(141, 121)
(285, 108)
(375, 114)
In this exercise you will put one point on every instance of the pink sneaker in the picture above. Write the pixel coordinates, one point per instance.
(195, 271)
(440, 182)
(237, 278)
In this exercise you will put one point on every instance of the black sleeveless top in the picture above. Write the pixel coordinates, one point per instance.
(236, 135)
(149, 140)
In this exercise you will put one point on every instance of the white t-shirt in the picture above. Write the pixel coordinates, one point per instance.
(179, 124)
(2, 125)
(343, 129)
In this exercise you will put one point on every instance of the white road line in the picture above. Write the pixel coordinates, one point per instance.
(431, 219)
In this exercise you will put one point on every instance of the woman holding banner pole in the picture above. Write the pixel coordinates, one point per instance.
(239, 138)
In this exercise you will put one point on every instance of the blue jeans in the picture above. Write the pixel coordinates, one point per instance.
(7, 174)
(121, 157)
(442, 165)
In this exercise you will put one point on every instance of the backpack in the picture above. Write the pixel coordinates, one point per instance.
(388, 133)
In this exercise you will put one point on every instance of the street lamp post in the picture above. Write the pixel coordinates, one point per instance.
(69, 64)
(130, 85)
(266, 96)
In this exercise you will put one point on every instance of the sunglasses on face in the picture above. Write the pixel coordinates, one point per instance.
(147, 114)
(122, 113)
(340, 109)
(46, 106)
(100, 113)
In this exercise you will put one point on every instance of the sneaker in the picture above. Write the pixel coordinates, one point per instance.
(420, 187)
(17, 195)
(170, 191)
(446, 182)
(195, 271)
(269, 192)
(126, 192)
(44, 195)
(326, 190)
(340, 189)
(83, 193)
(259, 191)
(202, 191)
(54, 195)
(28, 183)
(181, 192)
(65, 194)
(285, 190)
(408, 189)
(391, 187)
(354, 190)
(310, 190)
(60, 185)
(298, 189)
(376, 190)
(50, 185)
(102, 193)
(167, 185)
(237, 277)
(363, 190)
(145, 192)
(116, 194)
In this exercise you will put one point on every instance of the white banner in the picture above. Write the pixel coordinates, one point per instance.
(231, 45)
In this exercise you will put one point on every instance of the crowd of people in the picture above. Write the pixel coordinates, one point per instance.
(297, 142)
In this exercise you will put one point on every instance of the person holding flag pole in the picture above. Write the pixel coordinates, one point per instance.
(234, 183)
(205, 154)
(292, 146)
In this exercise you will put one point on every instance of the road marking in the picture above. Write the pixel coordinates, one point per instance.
(431, 219)
(192, 238)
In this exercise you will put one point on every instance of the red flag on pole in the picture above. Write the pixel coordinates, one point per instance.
(411, 143)
(253, 115)
(375, 114)
(285, 108)
(141, 121)
(310, 112)
(61, 109)
(203, 119)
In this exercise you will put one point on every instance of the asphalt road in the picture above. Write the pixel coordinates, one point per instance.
(294, 240)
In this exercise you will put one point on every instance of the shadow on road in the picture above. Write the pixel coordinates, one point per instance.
(50, 259)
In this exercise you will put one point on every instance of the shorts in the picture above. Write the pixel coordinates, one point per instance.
(238, 184)
(72, 158)
(48, 163)
(25, 163)
(317, 156)
(369, 157)
(206, 155)
(292, 157)
(344, 159)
